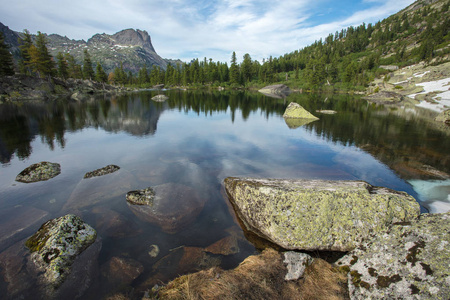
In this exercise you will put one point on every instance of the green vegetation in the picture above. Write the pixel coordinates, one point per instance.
(6, 59)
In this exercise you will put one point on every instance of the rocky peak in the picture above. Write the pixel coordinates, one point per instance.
(133, 37)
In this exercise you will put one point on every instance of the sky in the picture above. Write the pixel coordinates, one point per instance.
(187, 29)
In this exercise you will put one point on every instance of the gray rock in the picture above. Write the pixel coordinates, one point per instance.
(102, 171)
(296, 264)
(172, 207)
(56, 256)
(276, 91)
(39, 172)
(410, 261)
(444, 117)
(317, 214)
(296, 111)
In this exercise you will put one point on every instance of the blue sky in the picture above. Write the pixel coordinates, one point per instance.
(187, 29)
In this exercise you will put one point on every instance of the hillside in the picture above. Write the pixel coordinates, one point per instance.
(131, 47)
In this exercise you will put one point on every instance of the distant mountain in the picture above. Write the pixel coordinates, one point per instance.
(132, 48)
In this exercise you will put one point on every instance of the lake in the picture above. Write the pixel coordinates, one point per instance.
(190, 143)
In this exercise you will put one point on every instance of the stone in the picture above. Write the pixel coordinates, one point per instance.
(410, 261)
(226, 246)
(317, 214)
(296, 264)
(276, 91)
(444, 117)
(39, 172)
(296, 111)
(326, 111)
(160, 98)
(99, 190)
(121, 270)
(172, 207)
(55, 246)
(113, 224)
(102, 171)
(296, 123)
(153, 250)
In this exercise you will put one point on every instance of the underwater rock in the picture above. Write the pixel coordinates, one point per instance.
(296, 264)
(226, 246)
(102, 171)
(153, 250)
(113, 224)
(410, 261)
(317, 214)
(39, 172)
(55, 248)
(172, 207)
(121, 270)
(296, 111)
(98, 190)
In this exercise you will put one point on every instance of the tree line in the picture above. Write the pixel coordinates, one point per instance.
(348, 58)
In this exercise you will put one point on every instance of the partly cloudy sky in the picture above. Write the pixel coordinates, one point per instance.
(187, 29)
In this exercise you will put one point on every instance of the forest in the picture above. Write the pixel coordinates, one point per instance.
(346, 60)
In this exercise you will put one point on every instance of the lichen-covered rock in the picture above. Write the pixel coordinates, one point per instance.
(296, 264)
(55, 246)
(296, 111)
(411, 261)
(39, 172)
(102, 171)
(317, 214)
(171, 206)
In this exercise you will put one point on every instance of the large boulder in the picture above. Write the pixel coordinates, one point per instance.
(410, 261)
(171, 206)
(317, 214)
(444, 117)
(62, 263)
(276, 91)
(39, 172)
(296, 111)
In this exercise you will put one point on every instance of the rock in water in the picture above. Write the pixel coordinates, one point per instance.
(39, 172)
(55, 247)
(317, 214)
(171, 206)
(296, 111)
(276, 91)
(102, 171)
(410, 261)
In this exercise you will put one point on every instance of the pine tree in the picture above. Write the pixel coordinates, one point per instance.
(6, 59)
(234, 70)
(246, 67)
(100, 74)
(41, 60)
(74, 69)
(88, 71)
(25, 60)
(63, 67)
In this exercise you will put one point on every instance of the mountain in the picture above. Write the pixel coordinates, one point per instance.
(132, 48)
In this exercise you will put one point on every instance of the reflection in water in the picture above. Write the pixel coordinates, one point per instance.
(194, 140)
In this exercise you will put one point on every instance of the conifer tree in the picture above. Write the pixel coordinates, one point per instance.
(100, 74)
(88, 71)
(63, 68)
(234, 70)
(41, 60)
(25, 60)
(6, 59)
(74, 69)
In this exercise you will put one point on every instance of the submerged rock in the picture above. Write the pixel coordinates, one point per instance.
(276, 91)
(160, 98)
(121, 270)
(39, 172)
(171, 206)
(410, 261)
(55, 247)
(317, 214)
(226, 246)
(102, 171)
(296, 111)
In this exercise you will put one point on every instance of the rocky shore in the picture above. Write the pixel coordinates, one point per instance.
(21, 87)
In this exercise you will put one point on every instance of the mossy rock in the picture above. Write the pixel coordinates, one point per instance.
(296, 111)
(39, 172)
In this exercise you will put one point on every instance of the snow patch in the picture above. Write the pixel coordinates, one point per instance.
(442, 99)
(435, 194)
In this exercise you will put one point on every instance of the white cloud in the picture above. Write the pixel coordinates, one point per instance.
(213, 29)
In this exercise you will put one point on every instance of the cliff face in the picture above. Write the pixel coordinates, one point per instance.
(132, 48)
